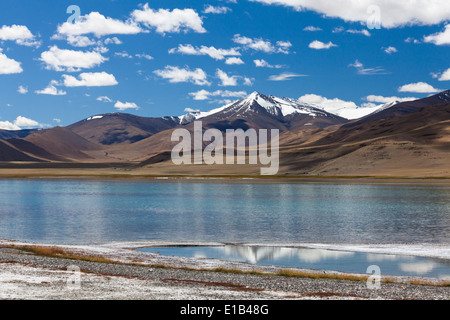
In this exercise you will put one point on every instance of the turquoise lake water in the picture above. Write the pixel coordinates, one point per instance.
(81, 211)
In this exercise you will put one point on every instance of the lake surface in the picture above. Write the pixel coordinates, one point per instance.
(85, 211)
(319, 259)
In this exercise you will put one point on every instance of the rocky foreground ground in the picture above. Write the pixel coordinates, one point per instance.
(25, 275)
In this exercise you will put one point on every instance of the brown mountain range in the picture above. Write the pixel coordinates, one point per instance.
(409, 139)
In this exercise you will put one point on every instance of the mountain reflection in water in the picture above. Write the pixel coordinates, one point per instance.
(320, 259)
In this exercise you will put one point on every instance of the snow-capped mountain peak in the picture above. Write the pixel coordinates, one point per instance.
(279, 106)
(386, 106)
(258, 103)
(445, 96)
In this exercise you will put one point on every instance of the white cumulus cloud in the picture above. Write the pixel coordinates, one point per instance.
(98, 25)
(113, 40)
(440, 38)
(9, 66)
(261, 63)
(225, 79)
(80, 41)
(312, 29)
(206, 95)
(25, 122)
(363, 32)
(144, 56)
(234, 60)
(217, 54)
(393, 13)
(390, 50)
(444, 76)
(22, 90)
(419, 87)
(259, 44)
(125, 105)
(52, 90)
(167, 21)
(6, 125)
(19, 124)
(20, 34)
(318, 45)
(70, 60)
(90, 79)
(175, 75)
(123, 54)
(216, 10)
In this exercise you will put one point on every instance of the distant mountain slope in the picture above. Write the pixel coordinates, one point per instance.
(414, 144)
(381, 123)
(403, 108)
(9, 153)
(121, 128)
(19, 134)
(64, 143)
(32, 149)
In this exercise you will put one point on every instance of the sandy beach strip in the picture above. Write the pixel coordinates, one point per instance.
(126, 274)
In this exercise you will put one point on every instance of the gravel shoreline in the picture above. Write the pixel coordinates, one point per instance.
(28, 276)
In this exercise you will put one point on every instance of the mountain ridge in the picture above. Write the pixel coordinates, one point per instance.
(147, 126)
(312, 141)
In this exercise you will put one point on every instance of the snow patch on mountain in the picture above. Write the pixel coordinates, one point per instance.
(445, 96)
(196, 115)
(94, 118)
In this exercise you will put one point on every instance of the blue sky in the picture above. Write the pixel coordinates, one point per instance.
(160, 58)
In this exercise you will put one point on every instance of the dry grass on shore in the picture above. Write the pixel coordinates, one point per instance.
(56, 252)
